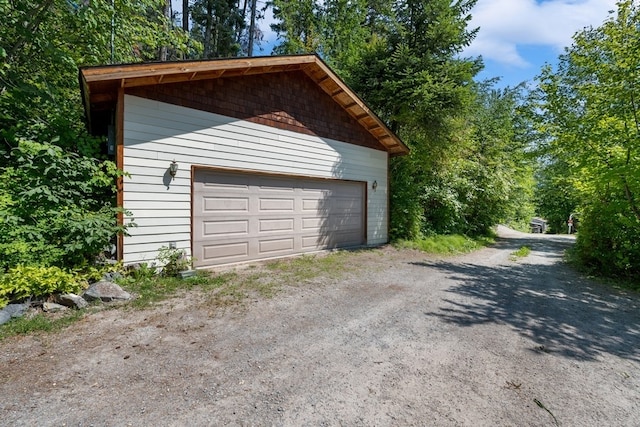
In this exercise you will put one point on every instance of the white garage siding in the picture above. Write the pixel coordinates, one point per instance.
(155, 133)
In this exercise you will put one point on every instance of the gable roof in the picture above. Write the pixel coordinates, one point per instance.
(99, 85)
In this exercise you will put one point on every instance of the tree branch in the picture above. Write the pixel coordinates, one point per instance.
(39, 16)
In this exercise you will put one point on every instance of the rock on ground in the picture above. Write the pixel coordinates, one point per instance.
(71, 300)
(12, 310)
(106, 291)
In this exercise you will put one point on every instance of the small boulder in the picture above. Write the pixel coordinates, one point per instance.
(72, 300)
(52, 307)
(106, 292)
(12, 310)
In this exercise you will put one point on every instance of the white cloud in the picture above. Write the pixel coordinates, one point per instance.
(507, 24)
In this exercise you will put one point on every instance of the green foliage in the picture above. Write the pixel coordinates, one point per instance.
(609, 242)
(556, 196)
(23, 282)
(217, 24)
(55, 207)
(173, 261)
(522, 252)
(589, 123)
(44, 41)
(151, 288)
(298, 25)
(450, 244)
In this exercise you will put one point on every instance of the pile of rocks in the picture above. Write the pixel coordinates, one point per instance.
(104, 291)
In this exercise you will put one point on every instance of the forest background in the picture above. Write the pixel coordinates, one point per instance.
(480, 156)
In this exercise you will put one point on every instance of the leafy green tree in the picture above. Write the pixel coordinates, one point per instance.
(555, 196)
(43, 43)
(496, 174)
(343, 32)
(217, 24)
(591, 121)
(414, 79)
(55, 196)
(297, 25)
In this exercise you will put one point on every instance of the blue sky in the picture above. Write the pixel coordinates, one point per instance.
(516, 37)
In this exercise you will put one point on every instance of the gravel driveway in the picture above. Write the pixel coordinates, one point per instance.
(401, 339)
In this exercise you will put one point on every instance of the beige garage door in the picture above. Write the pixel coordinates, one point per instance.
(241, 216)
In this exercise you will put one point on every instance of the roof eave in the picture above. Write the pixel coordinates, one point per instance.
(107, 79)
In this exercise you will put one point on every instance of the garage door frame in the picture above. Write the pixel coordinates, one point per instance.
(252, 172)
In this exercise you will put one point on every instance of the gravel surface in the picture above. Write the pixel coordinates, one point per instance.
(402, 339)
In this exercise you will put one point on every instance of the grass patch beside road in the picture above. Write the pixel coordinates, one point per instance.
(39, 323)
(450, 244)
(306, 267)
(520, 253)
(220, 288)
(150, 289)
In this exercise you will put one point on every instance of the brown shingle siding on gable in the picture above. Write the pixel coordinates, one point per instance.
(287, 100)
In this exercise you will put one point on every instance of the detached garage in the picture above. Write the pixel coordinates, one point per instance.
(235, 160)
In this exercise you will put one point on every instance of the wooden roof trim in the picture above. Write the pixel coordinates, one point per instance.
(131, 71)
(355, 107)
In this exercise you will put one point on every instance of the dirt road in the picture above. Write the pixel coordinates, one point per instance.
(404, 339)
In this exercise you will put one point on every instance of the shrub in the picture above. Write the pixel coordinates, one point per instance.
(56, 208)
(28, 281)
(609, 241)
(173, 261)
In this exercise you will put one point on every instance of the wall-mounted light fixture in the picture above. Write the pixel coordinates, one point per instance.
(173, 169)
(374, 186)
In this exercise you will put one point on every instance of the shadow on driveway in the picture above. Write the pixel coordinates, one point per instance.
(543, 299)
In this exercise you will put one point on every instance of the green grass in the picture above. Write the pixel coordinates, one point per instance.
(449, 244)
(151, 289)
(307, 267)
(39, 323)
(520, 253)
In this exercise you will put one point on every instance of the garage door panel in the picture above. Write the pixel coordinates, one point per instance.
(225, 251)
(281, 205)
(269, 247)
(225, 204)
(346, 206)
(313, 223)
(346, 222)
(225, 228)
(311, 205)
(250, 217)
(276, 225)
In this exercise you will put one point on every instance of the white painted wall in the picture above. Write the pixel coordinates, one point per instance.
(155, 133)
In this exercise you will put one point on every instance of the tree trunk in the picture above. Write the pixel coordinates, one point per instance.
(244, 19)
(166, 11)
(252, 27)
(185, 15)
(208, 29)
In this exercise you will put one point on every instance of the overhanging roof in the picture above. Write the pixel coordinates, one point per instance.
(100, 85)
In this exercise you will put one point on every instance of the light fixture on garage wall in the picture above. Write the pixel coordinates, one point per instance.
(173, 169)
(374, 186)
